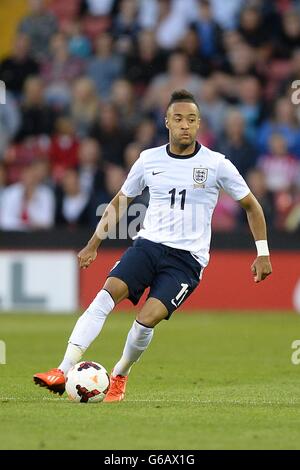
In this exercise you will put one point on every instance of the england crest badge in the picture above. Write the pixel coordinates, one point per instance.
(200, 175)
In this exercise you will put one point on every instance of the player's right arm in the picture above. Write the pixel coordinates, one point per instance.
(133, 186)
(113, 213)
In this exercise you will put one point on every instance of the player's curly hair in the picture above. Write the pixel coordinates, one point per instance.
(182, 96)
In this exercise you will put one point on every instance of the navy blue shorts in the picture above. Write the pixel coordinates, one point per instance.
(171, 274)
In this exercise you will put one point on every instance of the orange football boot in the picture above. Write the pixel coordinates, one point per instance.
(54, 380)
(117, 388)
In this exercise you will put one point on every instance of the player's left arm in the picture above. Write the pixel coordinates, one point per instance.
(261, 268)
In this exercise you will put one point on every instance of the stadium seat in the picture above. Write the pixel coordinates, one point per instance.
(19, 155)
(277, 72)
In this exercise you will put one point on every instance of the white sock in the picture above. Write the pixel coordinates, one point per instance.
(73, 355)
(87, 329)
(138, 339)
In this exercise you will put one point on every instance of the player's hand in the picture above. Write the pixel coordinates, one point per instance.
(86, 256)
(261, 268)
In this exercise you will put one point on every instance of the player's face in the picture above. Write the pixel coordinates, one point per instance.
(183, 122)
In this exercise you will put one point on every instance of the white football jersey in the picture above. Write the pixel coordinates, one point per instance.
(183, 194)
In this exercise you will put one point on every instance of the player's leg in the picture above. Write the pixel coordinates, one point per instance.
(179, 274)
(138, 340)
(91, 322)
(140, 335)
(87, 328)
(126, 279)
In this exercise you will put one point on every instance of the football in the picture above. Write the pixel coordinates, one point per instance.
(87, 382)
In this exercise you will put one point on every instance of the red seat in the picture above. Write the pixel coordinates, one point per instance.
(20, 155)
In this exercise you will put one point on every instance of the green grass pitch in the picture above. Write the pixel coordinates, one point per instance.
(217, 381)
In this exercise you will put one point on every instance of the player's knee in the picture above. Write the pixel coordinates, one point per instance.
(151, 316)
(117, 289)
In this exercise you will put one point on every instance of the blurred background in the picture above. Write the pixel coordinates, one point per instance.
(87, 84)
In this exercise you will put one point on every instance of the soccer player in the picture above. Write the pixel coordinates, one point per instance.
(172, 248)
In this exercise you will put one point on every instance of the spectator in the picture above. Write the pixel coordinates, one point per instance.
(230, 40)
(115, 177)
(110, 134)
(124, 99)
(252, 28)
(15, 69)
(241, 61)
(145, 62)
(283, 122)
(148, 14)
(205, 134)
(192, 48)
(177, 76)
(294, 74)
(59, 72)
(43, 171)
(131, 154)
(292, 222)
(212, 107)
(289, 36)
(72, 204)
(106, 66)
(280, 168)
(235, 144)
(125, 24)
(37, 118)
(257, 182)
(28, 205)
(146, 134)
(251, 104)
(90, 169)
(173, 21)
(226, 13)
(85, 106)
(79, 45)
(40, 26)
(10, 121)
(208, 31)
(92, 176)
(64, 148)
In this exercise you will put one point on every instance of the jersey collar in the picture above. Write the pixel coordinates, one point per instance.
(183, 157)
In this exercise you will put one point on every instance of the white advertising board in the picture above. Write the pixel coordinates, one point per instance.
(38, 281)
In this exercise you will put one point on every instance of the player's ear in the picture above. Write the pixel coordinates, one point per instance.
(167, 123)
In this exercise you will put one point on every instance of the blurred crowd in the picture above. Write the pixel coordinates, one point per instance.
(88, 82)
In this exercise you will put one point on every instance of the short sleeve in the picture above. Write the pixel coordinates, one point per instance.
(135, 182)
(229, 179)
